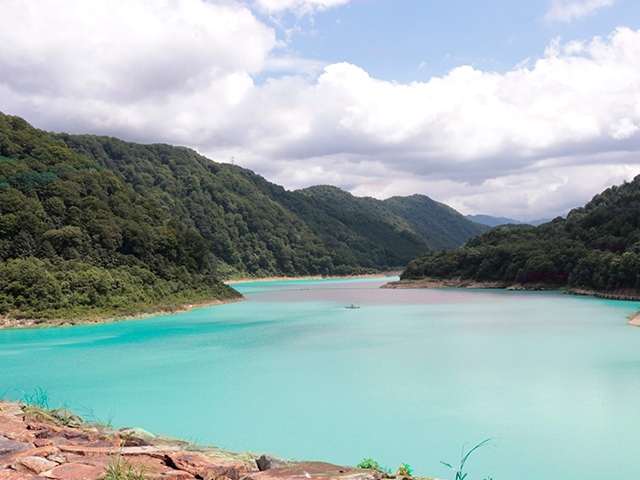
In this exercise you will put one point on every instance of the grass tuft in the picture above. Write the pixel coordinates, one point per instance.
(460, 475)
(120, 468)
(39, 399)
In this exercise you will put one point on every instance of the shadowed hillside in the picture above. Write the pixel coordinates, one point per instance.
(75, 241)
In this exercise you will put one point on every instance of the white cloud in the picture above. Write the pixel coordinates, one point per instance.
(117, 65)
(181, 72)
(146, 47)
(624, 129)
(299, 6)
(543, 193)
(567, 10)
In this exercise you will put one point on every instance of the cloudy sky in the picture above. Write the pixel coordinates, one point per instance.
(521, 109)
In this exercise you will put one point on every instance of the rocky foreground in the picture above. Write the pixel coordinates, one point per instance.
(37, 444)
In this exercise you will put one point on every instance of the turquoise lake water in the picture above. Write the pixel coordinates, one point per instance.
(409, 377)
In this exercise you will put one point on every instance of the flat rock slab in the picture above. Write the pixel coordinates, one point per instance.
(177, 475)
(95, 461)
(13, 475)
(7, 460)
(153, 466)
(204, 466)
(7, 446)
(13, 428)
(315, 470)
(73, 471)
(152, 450)
(33, 465)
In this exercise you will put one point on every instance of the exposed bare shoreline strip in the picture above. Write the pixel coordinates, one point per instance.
(619, 294)
(12, 323)
(7, 323)
(317, 277)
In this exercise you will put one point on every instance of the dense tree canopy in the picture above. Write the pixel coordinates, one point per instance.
(76, 241)
(596, 247)
(254, 227)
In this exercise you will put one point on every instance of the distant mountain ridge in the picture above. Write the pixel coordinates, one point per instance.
(440, 225)
(497, 221)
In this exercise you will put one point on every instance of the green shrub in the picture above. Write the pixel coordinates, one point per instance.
(404, 470)
(369, 464)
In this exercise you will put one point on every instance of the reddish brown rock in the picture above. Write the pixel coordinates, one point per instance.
(148, 464)
(33, 465)
(13, 475)
(73, 471)
(14, 428)
(74, 453)
(8, 447)
(315, 471)
(103, 442)
(7, 460)
(206, 466)
(58, 434)
(152, 450)
(58, 457)
(96, 461)
(43, 442)
(177, 475)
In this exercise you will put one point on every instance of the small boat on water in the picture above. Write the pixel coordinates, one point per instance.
(353, 306)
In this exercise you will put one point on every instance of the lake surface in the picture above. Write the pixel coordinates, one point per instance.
(409, 377)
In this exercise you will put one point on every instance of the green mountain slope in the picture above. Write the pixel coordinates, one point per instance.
(253, 226)
(595, 247)
(439, 225)
(77, 242)
(368, 206)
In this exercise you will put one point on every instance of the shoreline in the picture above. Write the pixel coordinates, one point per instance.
(630, 295)
(313, 277)
(7, 323)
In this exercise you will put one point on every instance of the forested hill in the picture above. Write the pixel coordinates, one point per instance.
(440, 225)
(253, 227)
(75, 241)
(596, 247)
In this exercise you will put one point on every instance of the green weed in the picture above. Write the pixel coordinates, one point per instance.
(88, 415)
(371, 464)
(39, 399)
(460, 475)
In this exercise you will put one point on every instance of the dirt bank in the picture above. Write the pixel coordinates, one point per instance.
(627, 294)
(8, 323)
(317, 277)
